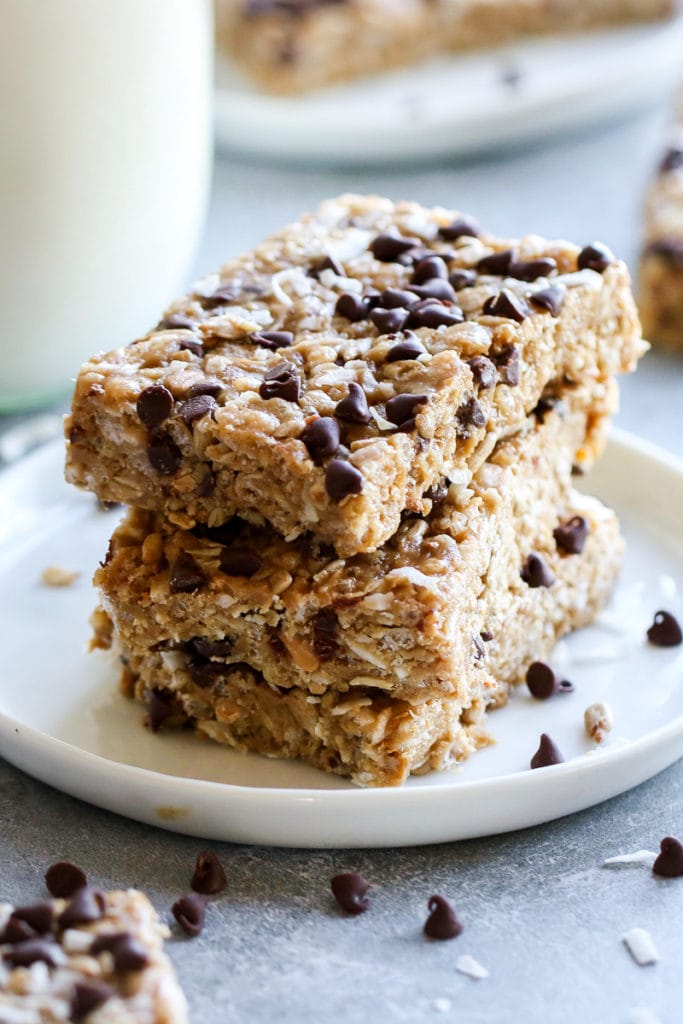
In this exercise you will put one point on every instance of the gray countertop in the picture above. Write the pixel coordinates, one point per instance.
(539, 910)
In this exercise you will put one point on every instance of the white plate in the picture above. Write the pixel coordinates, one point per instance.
(62, 720)
(456, 105)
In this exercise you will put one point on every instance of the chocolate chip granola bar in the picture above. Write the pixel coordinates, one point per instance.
(331, 379)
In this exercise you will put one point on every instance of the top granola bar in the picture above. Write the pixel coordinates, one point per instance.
(331, 378)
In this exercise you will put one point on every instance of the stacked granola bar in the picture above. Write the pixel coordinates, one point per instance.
(348, 459)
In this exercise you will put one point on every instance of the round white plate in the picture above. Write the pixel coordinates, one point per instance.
(63, 721)
(458, 105)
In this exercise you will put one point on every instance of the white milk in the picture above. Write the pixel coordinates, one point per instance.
(105, 155)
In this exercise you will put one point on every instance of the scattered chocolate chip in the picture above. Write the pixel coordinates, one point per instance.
(176, 322)
(33, 951)
(571, 535)
(410, 348)
(393, 298)
(459, 228)
(186, 576)
(471, 414)
(389, 321)
(595, 257)
(496, 264)
(483, 371)
(352, 307)
(436, 288)
(350, 891)
(64, 878)
(342, 479)
(541, 680)
(272, 339)
(196, 347)
(164, 454)
(669, 863)
(673, 160)
(86, 997)
(325, 624)
(159, 708)
(154, 405)
(547, 753)
(536, 573)
(327, 263)
(462, 279)
(531, 270)
(565, 686)
(442, 922)
(400, 409)
(354, 407)
(432, 313)
(387, 247)
(190, 911)
(507, 362)
(86, 905)
(209, 876)
(239, 562)
(507, 305)
(551, 298)
(664, 631)
(429, 268)
(283, 382)
(196, 407)
(321, 437)
(206, 648)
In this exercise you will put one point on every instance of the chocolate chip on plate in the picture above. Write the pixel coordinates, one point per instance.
(321, 437)
(410, 348)
(239, 562)
(86, 997)
(429, 268)
(669, 862)
(507, 362)
(186, 575)
(190, 912)
(595, 257)
(531, 270)
(354, 407)
(164, 455)
(551, 298)
(283, 382)
(442, 922)
(209, 876)
(547, 753)
(571, 535)
(483, 371)
(462, 226)
(272, 339)
(64, 878)
(154, 405)
(535, 572)
(541, 680)
(506, 305)
(497, 264)
(86, 905)
(196, 407)
(387, 247)
(352, 307)
(342, 479)
(350, 891)
(664, 631)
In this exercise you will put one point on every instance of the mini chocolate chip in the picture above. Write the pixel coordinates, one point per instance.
(352, 307)
(129, 955)
(321, 437)
(64, 878)
(483, 371)
(186, 575)
(350, 891)
(672, 161)
(196, 407)
(571, 535)
(272, 339)
(342, 479)
(206, 648)
(565, 686)
(471, 414)
(547, 753)
(669, 863)
(209, 876)
(394, 298)
(86, 997)
(33, 951)
(429, 268)
(239, 562)
(442, 922)
(159, 708)
(196, 347)
(410, 348)
(595, 257)
(164, 455)
(432, 313)
(327, 263)
(541, 680)
(154, 405)
(387, 247)
(497, 264)
(550, 298)
(531, 270)
(462, 278)
(283, 382)
(459, 228)
(507, 362)
(401, 408)
(86, 905)
(354, 407)
(536, 573)
(388, 321)
(664, 631)
(176, 322)
(325, 624)
(506, 305)
(190, 911)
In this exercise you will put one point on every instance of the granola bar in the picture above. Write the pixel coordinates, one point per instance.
(330, 379)
(96, 956)
(294, 46)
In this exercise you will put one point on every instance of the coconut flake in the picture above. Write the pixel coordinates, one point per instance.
(466, 964)
(646, 857)
(641, 946)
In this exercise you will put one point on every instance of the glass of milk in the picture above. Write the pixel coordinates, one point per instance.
(105, 161)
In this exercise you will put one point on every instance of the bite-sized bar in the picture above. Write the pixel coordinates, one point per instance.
(294, 46)
(405, 620)
(328, 381)
(96, 957)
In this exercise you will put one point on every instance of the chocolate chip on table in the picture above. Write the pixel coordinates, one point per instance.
(64, 878)
(669, 862)
(507, 362)
(483, 371)
(164, 455)
(283, 382)
(531, 270)
(536, 573)
(354, 407)
(352, 307)
(190, 912)
(387, 247)
(664, 631)
(462, 278)
(571, 535)
(86, 997)
(429, 268)
(389, 321)
(393, 298)
(33, 951)
(462, 226)
(342, 479)
(541, 680)
(400, 409)
(186, 575)
(507, 305)
(471, 414)
(196, 407)
(551, 298)
(410, 348)
(497, 264)
(154, 405)
(272, 339)
(209, 876)
(435, 288)
(432, 313)
(86, 905)
(595, 257)
(159, 708)
(672, 161)
(547, 753)
(350, 891)
(239, 562)
(442, 922)
(321, 437)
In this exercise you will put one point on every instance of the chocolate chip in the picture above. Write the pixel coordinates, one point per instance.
(669, 249)
(595, 257)
(186, 576)
(64, 878)
(410, 348)
(212, 648)
(164, 455)
(205, 674)
(190, 911)
(282, 382)
(159, 708)
(550, 299)
(196, 407)
(106, 942)
(327, 263)
(496, 263)
(17, 930)
(354, 407)
(536, 573)
(38, 916)
(86, 997)
(506, 305)
(388, 321)
(387, 247)
(437, 492)
(350, 891)
(669, 863)
(531, 270)
(463, 226)
(342, 479)
(401, 408)
(176, 322)
(352, 307)
(436, 288)
(239, 562)
(394, 298)
(483, 371)
(547, 753)
(196, 347)
(431, 313)
(471, 414)
(86, 905)
(207, 485)
(325, 624)
(462, 279)
(224, 294)
(672, 161)
(154, 405)
(507, 362)
(545, 406)
(541, 680)
(321, 437)
(571, 535)
(442, 922)
(486, 636)
(129, 955)
(209, 876)
(272, 339)
(664, 631)
(33, 951)
(429, 268)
